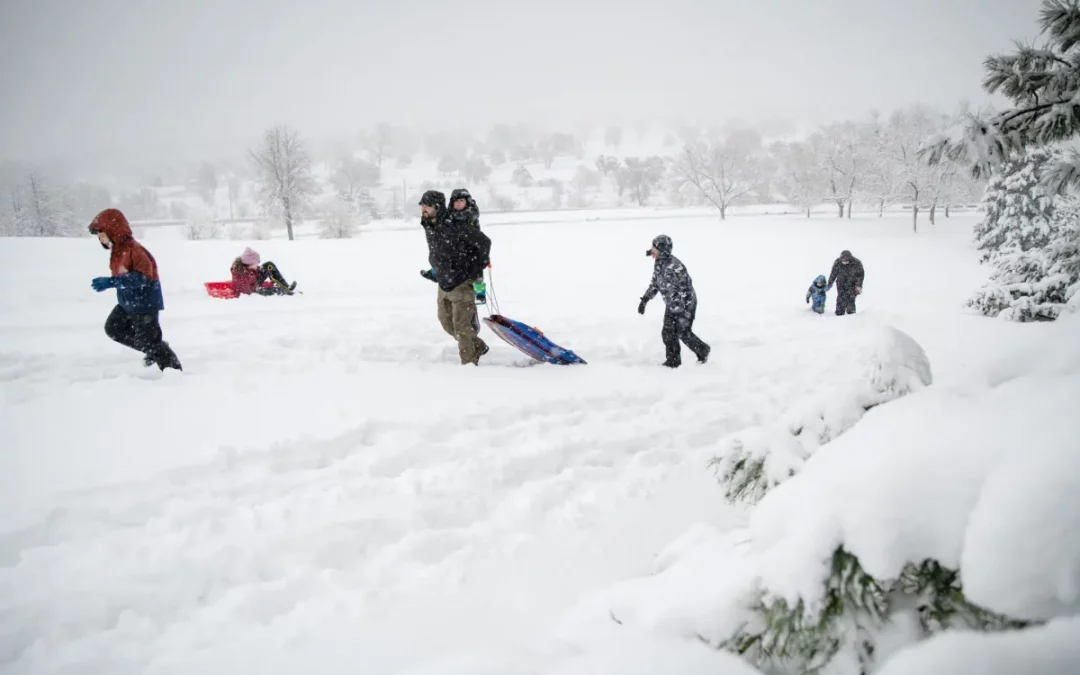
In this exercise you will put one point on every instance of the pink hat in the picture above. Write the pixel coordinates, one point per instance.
(249, 257)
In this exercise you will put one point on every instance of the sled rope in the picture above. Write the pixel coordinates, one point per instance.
(493, 301)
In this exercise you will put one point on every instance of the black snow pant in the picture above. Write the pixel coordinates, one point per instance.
(141, 332)
(679, 327)
(269, 270)
(845, 301)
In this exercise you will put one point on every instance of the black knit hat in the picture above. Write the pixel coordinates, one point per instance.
(661, 243)
(433, 198)
(460, 193)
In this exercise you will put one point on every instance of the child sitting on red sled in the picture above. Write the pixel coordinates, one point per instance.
(249, 276)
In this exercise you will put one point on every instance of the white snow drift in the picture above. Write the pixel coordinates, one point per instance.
(325, 489)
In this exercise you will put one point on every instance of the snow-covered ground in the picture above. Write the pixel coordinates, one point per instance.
(325, 488)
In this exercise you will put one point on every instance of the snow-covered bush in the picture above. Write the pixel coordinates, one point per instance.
(236, 231)
(339, 221)
(868, 368)
(1030, 237)
(262, 229)
(202, 226)
(950, 509)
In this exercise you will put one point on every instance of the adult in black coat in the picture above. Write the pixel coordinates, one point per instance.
(457, 256)
(847, 274)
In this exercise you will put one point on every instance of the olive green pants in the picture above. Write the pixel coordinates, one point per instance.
(457, 315)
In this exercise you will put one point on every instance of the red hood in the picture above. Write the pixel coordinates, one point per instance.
(113, 223)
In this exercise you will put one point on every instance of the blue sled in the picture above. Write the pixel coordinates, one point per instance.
(530, 341)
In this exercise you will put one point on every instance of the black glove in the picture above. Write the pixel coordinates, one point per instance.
(641, 306)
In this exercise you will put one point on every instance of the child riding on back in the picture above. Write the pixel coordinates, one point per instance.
(463, 211)
(817, 291)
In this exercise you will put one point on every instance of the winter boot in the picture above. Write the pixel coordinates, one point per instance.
(166, 358)
(704, 356)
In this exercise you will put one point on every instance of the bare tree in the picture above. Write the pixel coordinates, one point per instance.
(207, 182)
(284, 169)
(640, 176)
(378, 143)
(546, 151)
(475, 169)
(799, 175)
(37, 209)
(723, 174)
(351, 181)
(883, 174)
(613, 137)
(908, 129)
(234, 192)
(606, 165)
(86, 200)
(842, 162)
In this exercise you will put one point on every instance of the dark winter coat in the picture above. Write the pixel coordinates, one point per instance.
(138, 287)
(673, 282)
(847, 277)
(470, 215)
(457, 254)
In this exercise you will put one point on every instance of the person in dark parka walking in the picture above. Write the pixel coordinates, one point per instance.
(847, 274)
(457, 255)
(671, 280)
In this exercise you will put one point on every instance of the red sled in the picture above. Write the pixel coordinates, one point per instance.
(225, 289)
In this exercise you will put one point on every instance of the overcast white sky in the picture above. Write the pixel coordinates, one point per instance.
(78, 75)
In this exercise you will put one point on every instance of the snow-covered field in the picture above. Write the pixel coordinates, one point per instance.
(324, 488)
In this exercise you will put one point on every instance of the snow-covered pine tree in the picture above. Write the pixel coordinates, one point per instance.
(1021, 215)
(1029, 235)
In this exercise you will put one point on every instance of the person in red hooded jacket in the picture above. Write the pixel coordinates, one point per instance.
(134, 321)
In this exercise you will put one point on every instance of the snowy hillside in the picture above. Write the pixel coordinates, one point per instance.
(323, 488)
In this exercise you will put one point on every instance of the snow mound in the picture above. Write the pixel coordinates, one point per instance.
(647, 655)
(699, 572)
(980, 477)
(1044, 650)
(626, 653)
(866, 367)
(909, 484)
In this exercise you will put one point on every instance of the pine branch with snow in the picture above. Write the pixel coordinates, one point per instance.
(855, 610)
(1044, 85)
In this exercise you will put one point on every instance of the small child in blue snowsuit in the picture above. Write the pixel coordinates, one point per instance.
(817, 291)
